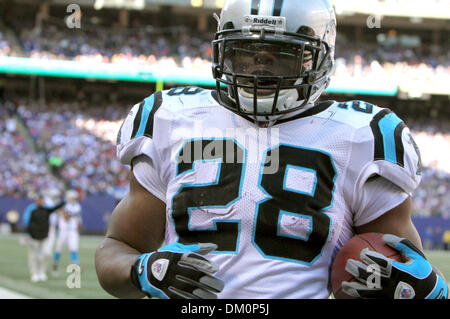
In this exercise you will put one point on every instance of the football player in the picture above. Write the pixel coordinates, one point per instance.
(254, 189)
(36, 222)
(69, 222)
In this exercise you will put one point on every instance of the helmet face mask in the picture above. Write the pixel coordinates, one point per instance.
(269, 71)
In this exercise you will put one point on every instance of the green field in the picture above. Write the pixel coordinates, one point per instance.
(14, 274)
(14, 271)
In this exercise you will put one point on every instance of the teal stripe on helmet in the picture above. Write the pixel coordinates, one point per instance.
(277, 6)
(255, 7)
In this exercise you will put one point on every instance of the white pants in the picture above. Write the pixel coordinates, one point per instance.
(71, 237)
(50, 243)
(37, 257)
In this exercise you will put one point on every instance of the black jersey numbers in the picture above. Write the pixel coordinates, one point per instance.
(305, 205)
(189, 90)
(219, 194)
(358, 106)
(281, 199)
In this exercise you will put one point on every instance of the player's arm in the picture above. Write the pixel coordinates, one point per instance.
(396, 221)
(55, 208)
(131, 264)
(386, 167)
(136, 227)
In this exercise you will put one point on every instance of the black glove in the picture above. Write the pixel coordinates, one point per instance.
(178, 271)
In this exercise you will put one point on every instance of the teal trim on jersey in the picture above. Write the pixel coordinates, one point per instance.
(303, 169)
(219, 169)
(146, 109)
(440, 286)
(180, 248)
(305, 238)
(214, 228)
(215, 221)
(27, 214)
(270, 197)
(387, 127)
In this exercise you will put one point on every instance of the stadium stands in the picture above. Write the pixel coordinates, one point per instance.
(82, 139)
(23, 172)
(422, 69)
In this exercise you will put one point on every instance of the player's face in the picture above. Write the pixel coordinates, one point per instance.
(265, 59)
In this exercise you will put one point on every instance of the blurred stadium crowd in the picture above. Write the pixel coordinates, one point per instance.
(174, 49)
(72, 148)
(123, 45)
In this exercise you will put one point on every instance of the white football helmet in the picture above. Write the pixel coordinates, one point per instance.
(274, 56)
(71, 196)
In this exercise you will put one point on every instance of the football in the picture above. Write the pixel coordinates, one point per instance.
(352, 249)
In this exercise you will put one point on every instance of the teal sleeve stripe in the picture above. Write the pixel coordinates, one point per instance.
(180, 248)
(148, 106)
(27, 214)
(387, 127)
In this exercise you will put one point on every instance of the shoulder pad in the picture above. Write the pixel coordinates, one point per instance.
(149, 119)
(393, 153)
(137, 128)
(356, 113)
(183, 98)
(387, 129)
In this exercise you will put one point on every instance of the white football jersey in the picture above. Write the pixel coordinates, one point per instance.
(71, 224)
(279, 201)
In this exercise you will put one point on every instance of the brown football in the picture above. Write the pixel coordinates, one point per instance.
(352, 249)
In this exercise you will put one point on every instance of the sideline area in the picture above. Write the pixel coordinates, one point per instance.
(8, 294)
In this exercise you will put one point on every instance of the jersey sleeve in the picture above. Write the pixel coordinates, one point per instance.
(384, 147)
(148, 177)
(377, 196)
(145, 134)
(135, 136)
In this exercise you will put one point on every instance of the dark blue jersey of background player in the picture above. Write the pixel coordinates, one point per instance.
(36, 218)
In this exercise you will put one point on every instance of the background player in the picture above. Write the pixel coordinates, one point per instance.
(36, 222)
(68, 230)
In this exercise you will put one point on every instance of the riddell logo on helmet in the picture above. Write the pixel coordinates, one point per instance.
(265, 21)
